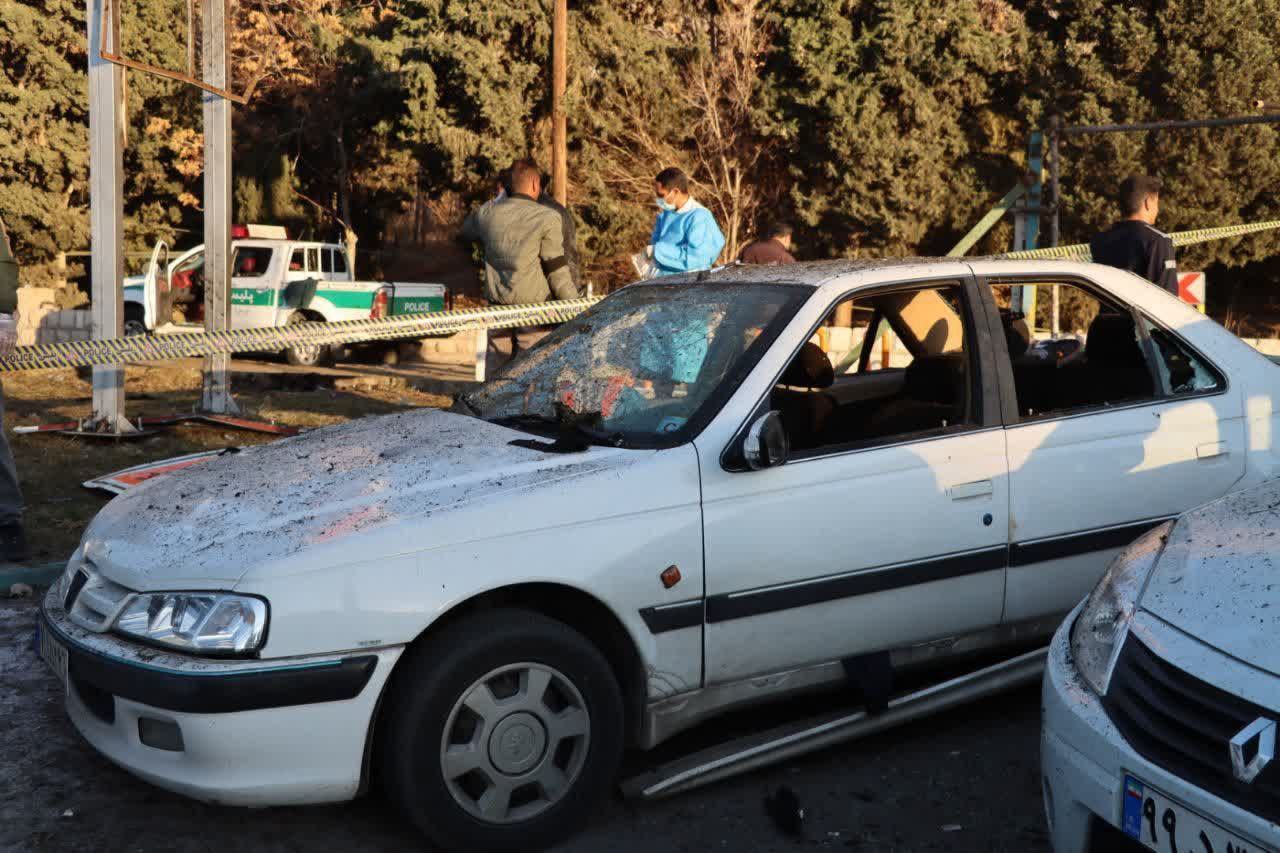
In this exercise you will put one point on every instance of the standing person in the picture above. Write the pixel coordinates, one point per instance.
(13, 539)
(772, 248)
(523, 251)
(1133, 243)
(569, 229)
(685, 236)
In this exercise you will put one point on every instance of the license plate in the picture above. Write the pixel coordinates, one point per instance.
(1168, 826)
(54, 654)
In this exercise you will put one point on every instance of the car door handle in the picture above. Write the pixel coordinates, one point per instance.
(1211, 450)
(964, 491)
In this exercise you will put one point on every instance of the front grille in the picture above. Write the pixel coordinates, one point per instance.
(1184, 725)
(92, 601)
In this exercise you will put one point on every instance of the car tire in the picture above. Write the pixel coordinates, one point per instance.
(134, 322)
(476, 757)
(306, 356)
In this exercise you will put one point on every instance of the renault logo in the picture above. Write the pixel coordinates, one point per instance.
(1263, 732)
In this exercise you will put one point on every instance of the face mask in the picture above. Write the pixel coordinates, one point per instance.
(663, 204)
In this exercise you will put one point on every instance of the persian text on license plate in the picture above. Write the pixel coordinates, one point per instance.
(1170, 827)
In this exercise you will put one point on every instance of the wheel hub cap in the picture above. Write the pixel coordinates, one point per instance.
(517, 743)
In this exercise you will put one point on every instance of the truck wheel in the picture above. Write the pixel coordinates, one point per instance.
(305, 356)
(134, 322)
(502, 733)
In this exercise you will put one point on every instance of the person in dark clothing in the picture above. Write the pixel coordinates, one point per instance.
(1133, 243)
(569, 228)
(772, 248)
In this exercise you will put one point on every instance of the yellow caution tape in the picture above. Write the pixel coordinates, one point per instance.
(186, 345)
(1080, 251)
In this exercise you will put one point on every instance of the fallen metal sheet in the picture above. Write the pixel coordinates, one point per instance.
(801, 738)
(120, 481)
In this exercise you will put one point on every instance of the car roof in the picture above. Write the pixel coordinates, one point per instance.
(846, 273)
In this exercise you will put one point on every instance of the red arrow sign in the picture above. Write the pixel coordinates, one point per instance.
(1191, 287)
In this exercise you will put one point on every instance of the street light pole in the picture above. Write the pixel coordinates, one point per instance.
(559, 123)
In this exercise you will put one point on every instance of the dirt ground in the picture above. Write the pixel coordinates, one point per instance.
(53, 467)
(967, 781)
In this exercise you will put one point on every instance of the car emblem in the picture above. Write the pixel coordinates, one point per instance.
(1264, 731)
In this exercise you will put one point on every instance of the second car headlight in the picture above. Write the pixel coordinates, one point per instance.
(202, 623)
(1104, 622)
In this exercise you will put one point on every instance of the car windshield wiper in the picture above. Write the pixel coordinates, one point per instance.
(568, 427)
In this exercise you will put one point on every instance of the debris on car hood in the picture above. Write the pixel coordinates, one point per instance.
(212, 522)
(1219, 575)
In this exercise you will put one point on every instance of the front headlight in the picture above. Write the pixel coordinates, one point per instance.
(1104, 622)
(202, 623)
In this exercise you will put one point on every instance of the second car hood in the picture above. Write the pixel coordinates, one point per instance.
(204, 527)
(1218, 579)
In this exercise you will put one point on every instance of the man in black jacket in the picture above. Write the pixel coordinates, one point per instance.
(1133, 243)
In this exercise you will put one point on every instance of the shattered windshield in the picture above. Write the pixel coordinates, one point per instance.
(645, 367)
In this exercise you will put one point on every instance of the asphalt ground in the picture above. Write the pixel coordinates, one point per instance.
(964, 781)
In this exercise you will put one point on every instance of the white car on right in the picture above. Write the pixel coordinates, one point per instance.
(1162, 692)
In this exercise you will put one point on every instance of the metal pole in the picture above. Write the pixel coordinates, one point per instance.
(106, 213)
(559, 123)
(1084, 129)
(217, 205)
(1055, 131)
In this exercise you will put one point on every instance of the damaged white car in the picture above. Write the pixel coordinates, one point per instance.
(703, 492)
(1162, 692)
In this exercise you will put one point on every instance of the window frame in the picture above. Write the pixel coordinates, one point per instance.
(983, 386)
(1004, 364)
(313, 259)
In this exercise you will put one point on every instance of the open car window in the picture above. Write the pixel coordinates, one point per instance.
(1072, 349)
(649, 366)
(914, 374)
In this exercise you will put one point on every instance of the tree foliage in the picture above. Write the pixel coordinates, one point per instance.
(879, 126)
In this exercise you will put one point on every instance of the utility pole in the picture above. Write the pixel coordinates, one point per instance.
(106, 211)
(559, 123)
(217, 205)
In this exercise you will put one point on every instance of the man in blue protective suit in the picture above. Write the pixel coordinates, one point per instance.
(686, 236)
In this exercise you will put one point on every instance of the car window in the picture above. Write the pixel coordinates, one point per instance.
(339, 261)
(297, 262)
(251, 261)
(326, 260)
(914, 377)
(646, 366)
(1181, 371)
(313, 260)
(1071, 349)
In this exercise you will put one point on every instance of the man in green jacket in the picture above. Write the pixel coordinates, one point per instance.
(13, 541)
(524, 251)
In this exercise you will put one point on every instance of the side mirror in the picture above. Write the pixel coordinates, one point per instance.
(766, 444)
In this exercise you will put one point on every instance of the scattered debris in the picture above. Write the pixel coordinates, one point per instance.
(21, 590)
(785, 809)
(951, 827)
(68, 813)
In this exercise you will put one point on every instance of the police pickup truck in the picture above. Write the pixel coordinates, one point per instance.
(275, 281)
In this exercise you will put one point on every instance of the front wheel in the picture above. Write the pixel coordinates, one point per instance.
(134, 322)
(502, 733)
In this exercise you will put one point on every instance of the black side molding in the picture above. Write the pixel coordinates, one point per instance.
(739, 605)
(1075, 544)
(673, 617)
(222, 693)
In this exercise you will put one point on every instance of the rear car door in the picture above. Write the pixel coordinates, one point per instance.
(1114, 424)
(254, 288)
(887, 524)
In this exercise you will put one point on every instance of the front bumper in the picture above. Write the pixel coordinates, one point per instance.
(257, 733)
(1084, 760)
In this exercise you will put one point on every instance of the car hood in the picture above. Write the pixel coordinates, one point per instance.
(206, 526)
(1218, 579)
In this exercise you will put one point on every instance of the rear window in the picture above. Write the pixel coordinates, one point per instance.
(251, 261)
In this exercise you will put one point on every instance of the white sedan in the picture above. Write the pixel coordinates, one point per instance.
(702, 493)
(1162, 693)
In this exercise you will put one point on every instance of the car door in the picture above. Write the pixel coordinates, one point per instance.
(254, 285)
(1106, 441)
(886, 526)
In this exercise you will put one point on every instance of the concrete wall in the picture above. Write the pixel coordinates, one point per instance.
(40, 321)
